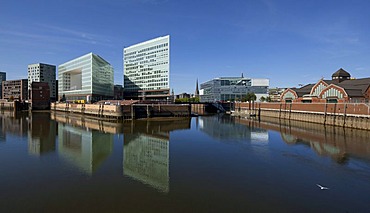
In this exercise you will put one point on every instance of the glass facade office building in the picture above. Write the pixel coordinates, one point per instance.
(2, 78)
(146, 69)
(88, 77)
(232, 89)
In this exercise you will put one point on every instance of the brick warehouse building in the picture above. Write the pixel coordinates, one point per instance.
(40, 95)
(341, 88)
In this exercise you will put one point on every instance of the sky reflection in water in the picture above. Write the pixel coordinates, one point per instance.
(52, 162)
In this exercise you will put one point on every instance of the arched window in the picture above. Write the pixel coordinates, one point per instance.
(318, 87)
(333, 92)
(288, 95)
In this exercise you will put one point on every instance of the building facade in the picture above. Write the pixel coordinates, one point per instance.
(232, 89)
(118, 92)
(2, 78)
(146, 69)
(341, 88)
(43, 73)
(15, 89)
(183, 95)
(88, 78)
(275, 93)
(39, 95)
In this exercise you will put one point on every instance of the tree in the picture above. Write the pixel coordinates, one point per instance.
(250, 97)
(263, 99)
(268, 99)
(63, 99)
(187, 100)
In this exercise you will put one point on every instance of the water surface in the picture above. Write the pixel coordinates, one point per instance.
(59, 163)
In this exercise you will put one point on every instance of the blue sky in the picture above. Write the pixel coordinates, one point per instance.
(288, 41)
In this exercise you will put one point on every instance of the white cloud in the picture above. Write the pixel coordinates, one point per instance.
(50, 34)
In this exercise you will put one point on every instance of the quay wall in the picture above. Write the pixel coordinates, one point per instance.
(13, 105)
(133, 111)
(7, 105)
(352, 115)
(209, 108)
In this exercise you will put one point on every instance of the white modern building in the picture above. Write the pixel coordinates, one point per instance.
(43, 73)
(233, 88)
(88, 78)
(146, 69)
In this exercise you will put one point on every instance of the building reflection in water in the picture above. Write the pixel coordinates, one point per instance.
(2, 130)
(86, 149)
(339, 143)
(146, 151)
(41, 133)
(13, 123)
(224, 127)
(87, 122)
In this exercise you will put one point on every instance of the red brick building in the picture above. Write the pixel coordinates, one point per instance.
(342, 88)
(40, 95)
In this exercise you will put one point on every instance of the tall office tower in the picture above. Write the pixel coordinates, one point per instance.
(88, 78)
(2, 78)
(146, 70)
(43, 73)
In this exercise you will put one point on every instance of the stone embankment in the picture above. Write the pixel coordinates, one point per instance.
(352, 115)
(13, 105)
(132, 111)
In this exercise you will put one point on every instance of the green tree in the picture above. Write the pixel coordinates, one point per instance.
(250, 97)
(63, 99)
(262, 99)
(187, 100)
(195, 99)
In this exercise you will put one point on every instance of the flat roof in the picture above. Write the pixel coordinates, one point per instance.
(147, 42)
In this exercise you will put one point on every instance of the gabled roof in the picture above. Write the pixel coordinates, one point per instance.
(353, 87)
(354, 92)
(306, 89)
(360, 84)
(341, 73)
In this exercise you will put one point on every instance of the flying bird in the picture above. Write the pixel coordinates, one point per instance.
(322, 187)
